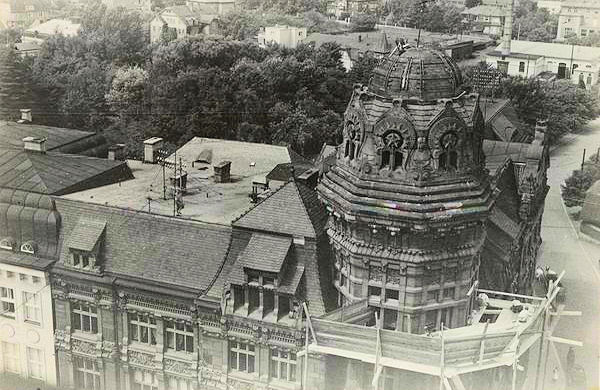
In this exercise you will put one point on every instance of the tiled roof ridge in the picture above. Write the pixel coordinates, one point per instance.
(221, 268)
(215, 226)
(259, 203)
(304, 207)
(502, 107)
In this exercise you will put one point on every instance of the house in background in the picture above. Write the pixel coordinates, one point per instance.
(553, 6)
(132, 5)
(285, 36)
(531, 59)
(578, 18)
(22, 13)
(34, 36)
(488, 19)
(183, 21)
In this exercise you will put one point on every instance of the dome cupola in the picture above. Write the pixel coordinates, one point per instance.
(419, 73)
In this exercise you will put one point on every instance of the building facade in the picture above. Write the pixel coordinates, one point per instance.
(578, 18)
(407, 231)
(285, 36)
(22, 13)
(580, 64)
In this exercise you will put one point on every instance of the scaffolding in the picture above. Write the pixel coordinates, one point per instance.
(500, 333)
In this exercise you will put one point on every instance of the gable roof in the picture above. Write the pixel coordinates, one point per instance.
(502, 120)
(293, 209)
(188, 15)
(143, 246)
(266, 252)
(57, 173)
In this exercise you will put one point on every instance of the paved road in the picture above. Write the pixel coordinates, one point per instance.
(562, 248)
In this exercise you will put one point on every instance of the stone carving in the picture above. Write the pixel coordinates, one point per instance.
(179, 367)
(109, 349)
(142, 359)
(83, 347)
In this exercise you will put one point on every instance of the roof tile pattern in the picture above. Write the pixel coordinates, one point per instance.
(293, 209)
(144, 246)
(56, 173)
(266, 252)
(85, 235)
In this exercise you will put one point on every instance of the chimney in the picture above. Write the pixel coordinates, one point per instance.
(116, 152)
(151, 147)
(309, 178)
(508, 26)
(25, 116)
(35, 144)
(222, 172)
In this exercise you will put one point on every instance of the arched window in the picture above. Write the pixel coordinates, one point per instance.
(28, 247)
(7, 243)
(391, 155)
(448, 159)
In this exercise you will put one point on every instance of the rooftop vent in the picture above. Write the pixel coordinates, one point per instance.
(223, 172)
(116, 152)
(35, 144)
(151, 147)
(25, 116)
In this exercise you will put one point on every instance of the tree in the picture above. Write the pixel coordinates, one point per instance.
(590, 40)
(363, 22)
(362, 69)
(574, 189)
(534, 24)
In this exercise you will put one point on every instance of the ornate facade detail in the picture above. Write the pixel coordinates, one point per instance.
(109, 349)
(62, 339)
(143, 359)
(179, 367)
(83, 347)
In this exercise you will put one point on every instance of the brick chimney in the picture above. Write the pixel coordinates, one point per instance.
(116, 152)
(508, 27)
(151, 147)
(222, 172)
(35, 144)
(25, 116)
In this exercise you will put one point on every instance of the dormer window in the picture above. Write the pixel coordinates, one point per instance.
(7, 243)
(28, 247)
(84, 244)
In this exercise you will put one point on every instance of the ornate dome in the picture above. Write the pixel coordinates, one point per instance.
(416, 74)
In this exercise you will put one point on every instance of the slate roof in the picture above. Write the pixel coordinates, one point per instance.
(57, 173)
(293, 209)
(502, 120)
(504, 222)
(190, 16)
(86, 234)
(496, 152)
(12, 134)
(24, 260)
(143, 246)
(266, 252)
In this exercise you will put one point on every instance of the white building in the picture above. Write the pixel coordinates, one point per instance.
(183, 21)
(578, 17)
(40, 32)
(26, 321)
(282, 35)
(530, 59)
(553, 6)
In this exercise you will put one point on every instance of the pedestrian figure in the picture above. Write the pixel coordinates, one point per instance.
(570, 359)
(555, 375)
(179, 202)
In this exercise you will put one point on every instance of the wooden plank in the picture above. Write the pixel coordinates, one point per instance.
(564, 341)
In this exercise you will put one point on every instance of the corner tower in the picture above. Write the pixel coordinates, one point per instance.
(409, 194)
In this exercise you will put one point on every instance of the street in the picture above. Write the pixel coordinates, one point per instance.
(562, 248)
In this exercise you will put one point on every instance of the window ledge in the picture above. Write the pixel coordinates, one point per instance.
(244, 376)
(84, 336)
(8, 316)
(142, 347)
(33, 323)
(181, 355)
